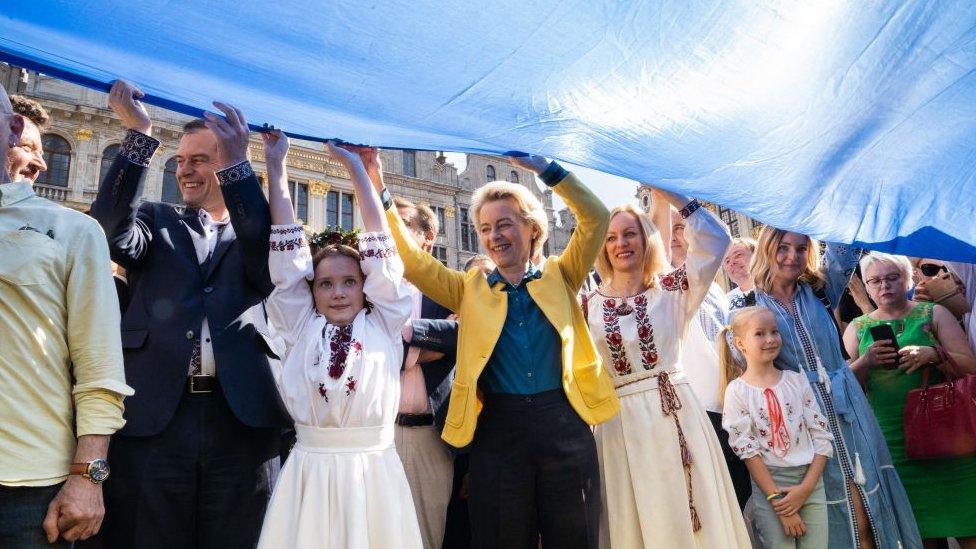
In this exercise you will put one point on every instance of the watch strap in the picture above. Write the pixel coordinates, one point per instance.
(78, 469)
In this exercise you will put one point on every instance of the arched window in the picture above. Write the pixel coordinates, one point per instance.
(57, 155)
(108, 156)
(171, 188)
(513, 177)
(490, 173)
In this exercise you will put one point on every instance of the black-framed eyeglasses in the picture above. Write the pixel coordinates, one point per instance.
(931, 269)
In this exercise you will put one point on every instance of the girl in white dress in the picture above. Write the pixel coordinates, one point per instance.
(776, 426)
(338, 308)
(664, 478)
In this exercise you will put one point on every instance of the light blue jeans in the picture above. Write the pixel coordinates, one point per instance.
(769, 529)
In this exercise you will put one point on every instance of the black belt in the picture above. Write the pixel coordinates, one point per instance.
(202, 384)
(415, 420)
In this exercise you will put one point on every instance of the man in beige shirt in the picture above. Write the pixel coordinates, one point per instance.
(425, 385)
(61, 372)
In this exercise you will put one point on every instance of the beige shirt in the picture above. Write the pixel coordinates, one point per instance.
(413, 388)
(61, 373)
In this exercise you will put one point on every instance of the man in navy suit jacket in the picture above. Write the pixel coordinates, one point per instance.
(196, 461)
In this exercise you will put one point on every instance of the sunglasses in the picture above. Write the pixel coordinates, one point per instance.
(928, 269)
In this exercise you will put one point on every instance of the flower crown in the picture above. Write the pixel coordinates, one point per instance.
(333, 236)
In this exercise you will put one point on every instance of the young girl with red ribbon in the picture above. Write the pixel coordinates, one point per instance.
(776, 427)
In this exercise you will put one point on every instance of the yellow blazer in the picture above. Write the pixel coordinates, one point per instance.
(482, 309)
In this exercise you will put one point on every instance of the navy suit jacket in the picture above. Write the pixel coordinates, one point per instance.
(170, 293)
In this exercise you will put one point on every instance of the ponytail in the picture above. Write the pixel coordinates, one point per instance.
(729, 366)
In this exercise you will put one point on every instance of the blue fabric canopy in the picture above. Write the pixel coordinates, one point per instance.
(850, 121)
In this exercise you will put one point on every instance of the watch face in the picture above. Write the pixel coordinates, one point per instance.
(98, 470)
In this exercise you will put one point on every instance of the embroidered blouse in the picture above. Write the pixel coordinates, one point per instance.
(783, 424)
(338, 376)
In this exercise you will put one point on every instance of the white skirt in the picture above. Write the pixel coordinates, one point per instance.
(645, 486)
(342, 488)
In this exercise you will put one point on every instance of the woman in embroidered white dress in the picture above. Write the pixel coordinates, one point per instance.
(338, 311)
(665, 482)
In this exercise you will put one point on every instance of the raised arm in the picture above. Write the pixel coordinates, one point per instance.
(128, 227)
(290, 305)
(379, 258)
(430, 276)
(707, 239)
(592, 218)
(279, 197)
(246, 205)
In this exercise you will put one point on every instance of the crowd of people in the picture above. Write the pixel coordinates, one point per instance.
(254, 384)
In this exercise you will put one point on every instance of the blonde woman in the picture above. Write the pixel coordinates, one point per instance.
(663, 474)
(529, 382)
(866, 502)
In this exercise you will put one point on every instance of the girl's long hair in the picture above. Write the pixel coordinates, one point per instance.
(730, 367)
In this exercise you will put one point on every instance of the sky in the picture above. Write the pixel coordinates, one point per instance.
(613, 190)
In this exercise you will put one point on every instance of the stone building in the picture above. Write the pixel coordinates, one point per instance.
(83, 136)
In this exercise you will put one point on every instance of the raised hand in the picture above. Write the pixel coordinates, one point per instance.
(232, 134)
(533, 163)
(275, 147)
(123, 99)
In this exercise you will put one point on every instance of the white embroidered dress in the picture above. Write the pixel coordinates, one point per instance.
(343, 484)
(783, 424)
(661, 465)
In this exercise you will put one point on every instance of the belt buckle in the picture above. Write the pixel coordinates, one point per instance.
(193, 388)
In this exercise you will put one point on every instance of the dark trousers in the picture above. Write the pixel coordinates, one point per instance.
(203, 482)
(741, 481)
(534, 472)
(457, 530)
(22, 511)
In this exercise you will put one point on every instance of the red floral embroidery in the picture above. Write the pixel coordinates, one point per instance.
(357, 346)
(339, 343)
(350, 385)
(675, 281)
(323, 391)
(614, 339)
(645, 333)
(378, 253)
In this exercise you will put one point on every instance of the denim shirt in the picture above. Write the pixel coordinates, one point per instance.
(527, 358)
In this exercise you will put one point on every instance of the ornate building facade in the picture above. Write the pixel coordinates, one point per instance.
(83, 136)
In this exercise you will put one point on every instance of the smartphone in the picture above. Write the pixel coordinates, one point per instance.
(884, 331)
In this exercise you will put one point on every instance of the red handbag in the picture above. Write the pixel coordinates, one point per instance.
(940, 419)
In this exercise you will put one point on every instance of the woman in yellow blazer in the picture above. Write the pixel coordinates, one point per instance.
(528, 376)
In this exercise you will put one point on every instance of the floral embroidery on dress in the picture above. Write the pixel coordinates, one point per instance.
(615, 341)
(675, 281)
(645, 333)
(340, 341)
(381, 253)
(350, 385)
(287, 245)
(323, 391)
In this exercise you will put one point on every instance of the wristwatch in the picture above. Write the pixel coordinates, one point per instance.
(386, 199)
(96, 470)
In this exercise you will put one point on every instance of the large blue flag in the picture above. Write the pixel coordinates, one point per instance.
(851, 121)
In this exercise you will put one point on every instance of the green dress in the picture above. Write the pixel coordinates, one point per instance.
(942, 491)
